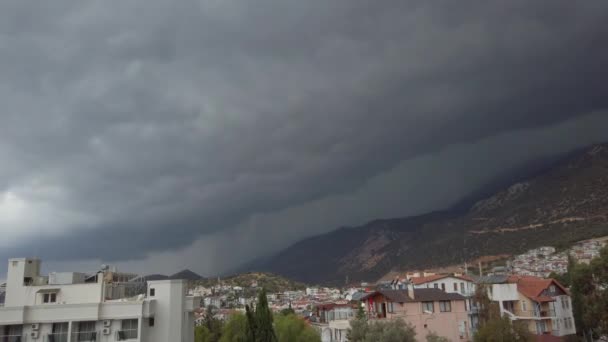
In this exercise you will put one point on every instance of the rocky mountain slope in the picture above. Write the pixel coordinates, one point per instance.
(566, 203)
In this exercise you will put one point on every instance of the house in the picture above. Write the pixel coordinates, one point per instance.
(75, 307)
(427, 309)
(543, 304)
(332, 320)
(451, 283)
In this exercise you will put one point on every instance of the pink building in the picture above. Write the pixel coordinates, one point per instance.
(428, 310)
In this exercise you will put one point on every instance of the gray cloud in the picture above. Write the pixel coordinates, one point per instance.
(136, 128)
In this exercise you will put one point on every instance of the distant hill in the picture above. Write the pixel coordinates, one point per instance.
(186, 275)
(271, 282)
(560, 205)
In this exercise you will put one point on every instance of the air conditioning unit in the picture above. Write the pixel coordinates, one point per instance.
(107, 323)
(34, 335)
(35, 326)
(106, 331)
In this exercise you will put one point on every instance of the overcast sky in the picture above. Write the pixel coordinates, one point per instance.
(159, 135)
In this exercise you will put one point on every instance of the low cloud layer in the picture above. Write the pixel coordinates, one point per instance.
(203, 134)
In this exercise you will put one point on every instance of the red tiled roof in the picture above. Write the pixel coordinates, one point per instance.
(533, 287)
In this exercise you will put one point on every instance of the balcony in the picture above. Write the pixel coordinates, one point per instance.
(56, 337)
(544, 313)
(88, 336)
(12, 338)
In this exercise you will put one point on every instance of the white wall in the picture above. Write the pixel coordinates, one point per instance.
(469, 287)
(504, 292)
(562, 313)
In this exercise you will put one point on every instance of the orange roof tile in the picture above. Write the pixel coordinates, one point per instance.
(532, 287)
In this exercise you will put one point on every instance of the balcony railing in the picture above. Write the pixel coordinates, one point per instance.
(544, 313)
(84, 336)
(123, 335)
(12, 338)
(56, 337)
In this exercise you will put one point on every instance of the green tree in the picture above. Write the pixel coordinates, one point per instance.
(263, 318)
(235, 329)
(360, 312)
(288, 311)
(590, 296)
(213, 325)
(201, 334)
(433, 337)
(290, 328)
(502, 330)
(251, 325)
(381, 331)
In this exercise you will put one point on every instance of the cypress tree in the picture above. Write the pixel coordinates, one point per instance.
(263, 318)
(251, 325)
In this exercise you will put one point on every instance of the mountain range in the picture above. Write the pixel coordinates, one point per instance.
(557, 205)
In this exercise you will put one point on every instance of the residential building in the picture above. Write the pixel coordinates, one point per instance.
(427, 309)
(543, 304)
(332, 321)
(69, 307)
(450, 283)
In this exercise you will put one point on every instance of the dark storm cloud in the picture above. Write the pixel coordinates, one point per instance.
(144, 125)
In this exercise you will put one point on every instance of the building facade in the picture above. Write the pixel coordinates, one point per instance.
(544, 305)
(428, 310)
(73, 307)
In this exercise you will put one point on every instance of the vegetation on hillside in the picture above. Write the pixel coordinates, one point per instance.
(270, 282)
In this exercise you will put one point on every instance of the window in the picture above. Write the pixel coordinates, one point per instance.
(128, 330)
(428, 307)
(445, 306)
(152, 292)
(151, 321)
(461, 287)
(552, 288)
(455, 287)
(523, 306)
(85, 332)
(436, 286)
(443, 286)
(565, 303)
(390, 307)
(59, 332)
(49, 298)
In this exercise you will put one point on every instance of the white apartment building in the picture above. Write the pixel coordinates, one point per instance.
(72, 307)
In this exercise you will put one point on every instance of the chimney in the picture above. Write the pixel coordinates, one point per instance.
(410, 289)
